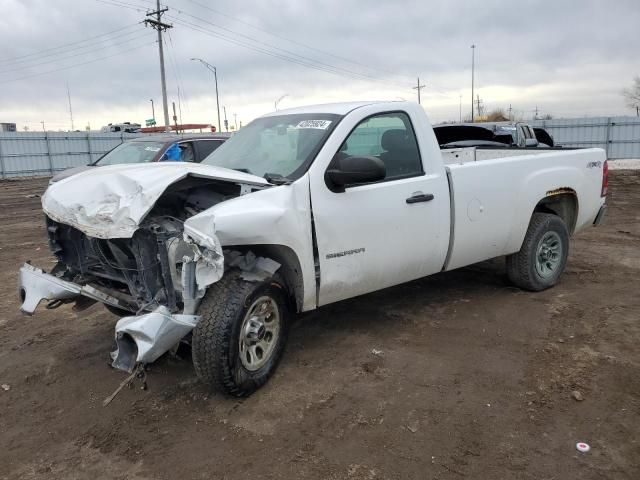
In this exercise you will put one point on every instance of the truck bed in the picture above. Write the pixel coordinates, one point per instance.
(494, 193)
(452, 156)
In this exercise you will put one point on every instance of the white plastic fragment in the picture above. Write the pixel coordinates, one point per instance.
(6, 387)
(583, 447)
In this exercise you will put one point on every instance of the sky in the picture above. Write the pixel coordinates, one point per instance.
(563, 58)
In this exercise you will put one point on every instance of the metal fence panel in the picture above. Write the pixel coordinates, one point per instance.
(618, 136)
(44, 153)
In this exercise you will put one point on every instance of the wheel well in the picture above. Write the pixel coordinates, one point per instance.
(290, 268)
(562, 202)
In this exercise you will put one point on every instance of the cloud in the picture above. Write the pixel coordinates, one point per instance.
(564, 58)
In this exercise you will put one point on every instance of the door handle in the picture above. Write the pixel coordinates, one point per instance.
(420, 197)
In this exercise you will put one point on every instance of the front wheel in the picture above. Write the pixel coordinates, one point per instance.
(241, 337)
(543, 256)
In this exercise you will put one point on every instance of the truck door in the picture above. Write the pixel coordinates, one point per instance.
(379, 234)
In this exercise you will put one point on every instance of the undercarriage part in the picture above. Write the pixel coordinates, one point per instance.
(35, 285)
(144, 338)
(254, 269)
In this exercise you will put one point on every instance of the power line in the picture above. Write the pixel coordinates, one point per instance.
(299, 61)
(60, 59)
(77, 64)
(117, 3)
(286, 52)
(295, 42)
(270, 49)
(177, 74)
(42, 52)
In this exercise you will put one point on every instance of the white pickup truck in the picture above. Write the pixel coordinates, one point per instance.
(301, 208)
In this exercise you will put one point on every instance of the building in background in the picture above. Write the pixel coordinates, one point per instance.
(7, 127)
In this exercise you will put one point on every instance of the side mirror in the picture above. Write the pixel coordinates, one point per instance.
(353, 170)
(531, 142)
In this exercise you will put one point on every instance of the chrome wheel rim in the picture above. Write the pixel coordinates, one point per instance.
(259, 333)
(548, 255)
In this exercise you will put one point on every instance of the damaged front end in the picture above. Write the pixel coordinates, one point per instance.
(158, 274)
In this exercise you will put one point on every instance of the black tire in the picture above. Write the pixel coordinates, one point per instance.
(523, 268)
(215, 345)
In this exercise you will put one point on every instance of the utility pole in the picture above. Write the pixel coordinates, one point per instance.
(510, 112)
(473, 68)
(460, 108)
(175, 117)
(43, 129)
(70, 110)
(418, 88)
(158, 25)
(536, 113)
(480, 110)
(215, 76)
(226, 123)
(153, 110)
(235, 121)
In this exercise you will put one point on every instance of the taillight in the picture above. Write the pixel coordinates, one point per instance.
(605, 179)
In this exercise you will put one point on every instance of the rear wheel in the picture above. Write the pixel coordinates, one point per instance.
(240, 339)
(543, 256)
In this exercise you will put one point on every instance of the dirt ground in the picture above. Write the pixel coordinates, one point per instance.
(454, 376)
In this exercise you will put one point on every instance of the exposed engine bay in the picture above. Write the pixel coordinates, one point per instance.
(154, 279)
(157, 265)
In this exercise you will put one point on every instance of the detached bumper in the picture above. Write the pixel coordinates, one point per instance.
(34, 285)
(143, 339)
(601, 216)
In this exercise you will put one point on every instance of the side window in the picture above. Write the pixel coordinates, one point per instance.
(186, 152)
(206, 147)
(391, 138)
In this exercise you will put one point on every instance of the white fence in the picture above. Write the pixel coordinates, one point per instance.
(619, 136)
(44, 153)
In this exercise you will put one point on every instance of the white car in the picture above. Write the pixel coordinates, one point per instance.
(301, 208)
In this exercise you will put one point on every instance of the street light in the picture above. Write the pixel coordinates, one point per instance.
(153, 111)
(215, 76)
(275, 104)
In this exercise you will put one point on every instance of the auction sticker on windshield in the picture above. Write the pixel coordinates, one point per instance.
(153, 149)
(320, 124)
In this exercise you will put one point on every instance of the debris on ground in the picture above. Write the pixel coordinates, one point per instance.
(127, 382)
(576, 395)
(6, 387)
(413, 427)
(377, 353)
(583, 447)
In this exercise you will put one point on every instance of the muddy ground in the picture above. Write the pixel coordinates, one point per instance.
(471, 378)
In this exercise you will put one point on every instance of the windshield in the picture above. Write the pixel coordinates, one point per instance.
(281, 145)
(131, 152)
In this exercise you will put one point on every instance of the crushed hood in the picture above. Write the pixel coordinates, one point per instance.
(110, 201)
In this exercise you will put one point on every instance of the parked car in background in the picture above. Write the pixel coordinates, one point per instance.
(155, 148)
(492, 134)
(126, 127)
